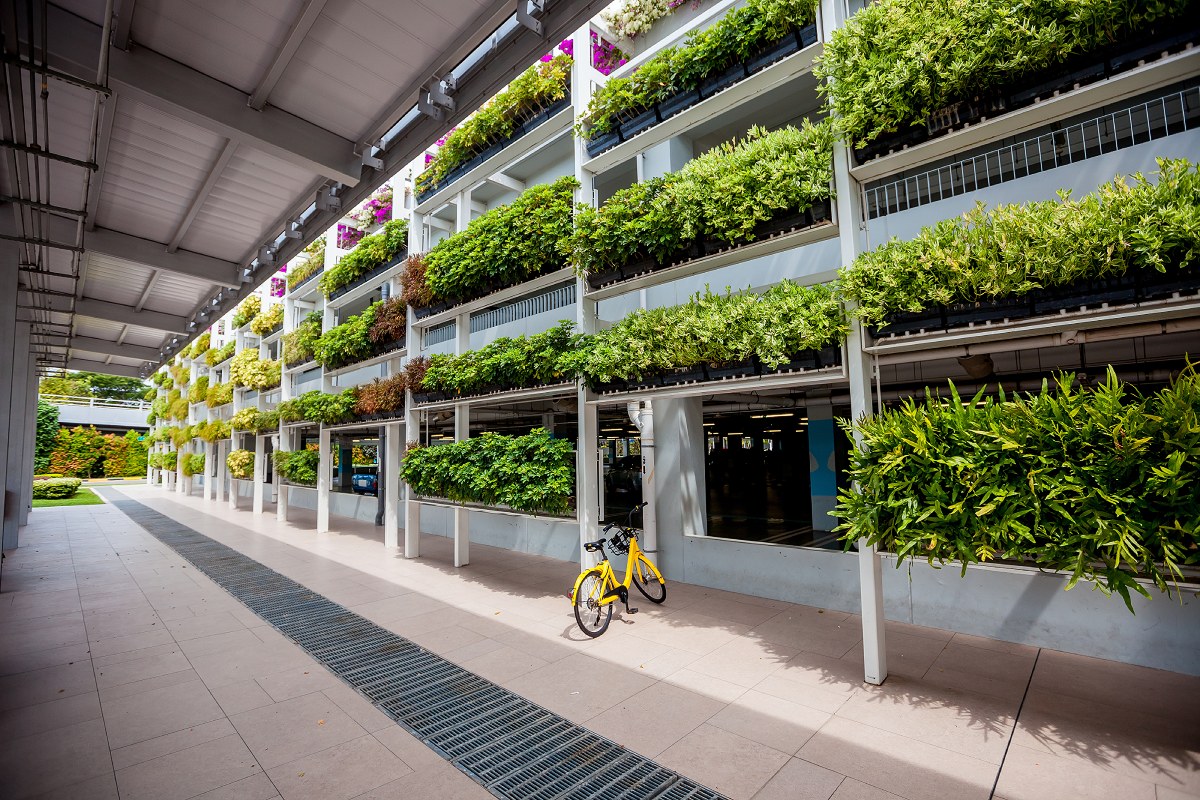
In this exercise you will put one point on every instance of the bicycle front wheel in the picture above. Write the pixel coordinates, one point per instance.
(649, 582)
(592, 617)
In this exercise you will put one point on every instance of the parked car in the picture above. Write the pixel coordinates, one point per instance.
(364, 483)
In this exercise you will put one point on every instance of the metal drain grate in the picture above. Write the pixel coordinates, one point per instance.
(510, 746)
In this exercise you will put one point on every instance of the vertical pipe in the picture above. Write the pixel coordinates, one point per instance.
(324, 471)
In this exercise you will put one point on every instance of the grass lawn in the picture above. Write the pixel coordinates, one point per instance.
(83, 497)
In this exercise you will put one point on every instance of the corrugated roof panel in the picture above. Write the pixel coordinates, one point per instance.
(234, 41)
(253, 191)
(177, 294)
(114, 280)
(100, 328)
(147, 337)
(156, 164)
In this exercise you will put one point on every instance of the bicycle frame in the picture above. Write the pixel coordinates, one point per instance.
(613, 589)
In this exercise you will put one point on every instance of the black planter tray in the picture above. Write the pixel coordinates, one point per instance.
(680, 101)
(635, 125)
(731, 370)
(720, 81)
(309, 279)
(373, 274)
(684, 375)
(603, 142)
(301, 364)
(777, 51)
(1155, 285)
(828, 356)
(486, 391)
(1117, 290)
(382, 416)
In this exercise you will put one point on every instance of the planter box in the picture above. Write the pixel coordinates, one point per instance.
(683, 375)
(433, 308)
(309, 279)
(828, 356)
(735, 369)
(792, 220)
(775, 52)
(680, 101)
(719, 81)
(605, 141)
(1120, 290)
(1164, 41)
(807, 35)
(428, 397)
(373, 274)
(1155, 285)
(644, 120)
(1054, 82)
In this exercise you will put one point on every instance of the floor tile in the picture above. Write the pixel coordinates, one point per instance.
(138, 717)
(770, 721)
(29, 720)
(189, 772)
(857, 790)
(799, 780)
(655, 718)
(579, 687)
(731, 764)
(1030, 775)
(283, 732)
(341, 772)
(440, 781)
(55, 759)
(43, 685)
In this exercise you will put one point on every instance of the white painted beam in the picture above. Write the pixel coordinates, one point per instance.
(291, 43)
(214, 175)
(105, 369)
(127, 315)
(105, 347)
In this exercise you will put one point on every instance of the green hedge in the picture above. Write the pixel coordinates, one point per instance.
(534, 473)
(316, 406)
(722, 194)
(1100, 483)
(193, 464)
(55, 488)
(298, 466)
(370, 252)
(298, 344)
(1013, 249)
(505, 246)
(738, 36)
(348, 342)
(715, 329)
(506, 363)
(897, 61)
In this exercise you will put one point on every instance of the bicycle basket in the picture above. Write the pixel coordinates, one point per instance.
(619, 542)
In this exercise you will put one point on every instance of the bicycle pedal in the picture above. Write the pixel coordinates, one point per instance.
(632, 610)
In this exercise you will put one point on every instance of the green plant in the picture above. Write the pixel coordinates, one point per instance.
(124, 456)
(317, 406)
(221, 354)
(219, 394)
(713, 329)
(170, 460)
(56, 488)
(193, 464)
(155, 460)
(897, 61)
(250, 419)
(314, 262)
(298, 344)
(213, 431)
(240, 464)
(1100, 483)
(415, 289)
(198, 392)
(537, 87)
(348, 342)
(298, 466)
(722, 194)
(78, 452)
(505, 246)
(390, 322)
(414, 372)
(266, 321)
(181, 436)
(370, 252)
(534, 473)
(1014, 249)
(44, 437)
(247, 311)
(381, 395)
(200, 346)
(741, 34)
(504, 363)
(248, 370)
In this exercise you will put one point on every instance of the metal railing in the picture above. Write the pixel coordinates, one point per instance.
(558, 297)
(442, 333)
(93, 402)
(1169, 113)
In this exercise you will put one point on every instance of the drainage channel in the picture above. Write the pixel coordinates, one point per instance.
(510, 746)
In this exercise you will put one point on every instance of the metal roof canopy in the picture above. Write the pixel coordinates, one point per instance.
(154, 182)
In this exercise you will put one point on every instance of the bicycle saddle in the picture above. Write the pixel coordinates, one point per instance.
(595, 546)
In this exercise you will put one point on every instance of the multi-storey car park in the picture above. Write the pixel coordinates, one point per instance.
(739, 454)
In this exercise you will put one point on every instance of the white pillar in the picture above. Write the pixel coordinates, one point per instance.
(642, 416)
(462, 529)
(260, 472)
(14, 454)
(8, 358)
(391, 485)
(31, 392)
(224, 483)
(281, 491)
(324, 470)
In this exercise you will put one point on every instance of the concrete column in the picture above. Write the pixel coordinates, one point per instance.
(260, 472)
(324, 471)
(822, 468)
(859, 365)
(14, 453)
(9, 255)
(180, 455)
(210, 470)
(664, 158)
(31, 389)
(462, 531)
(679, 483)
(223, 484)
(642, 416)
(390, 482)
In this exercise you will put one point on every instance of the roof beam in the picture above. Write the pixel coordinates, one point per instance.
(108, 112)
(214, 175)
(145, 76)
(291, 43)
(123, 25)
(84, 365)
(146, 292)
(105, 347)
(127, 315)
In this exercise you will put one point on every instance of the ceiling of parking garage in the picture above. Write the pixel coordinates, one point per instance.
(138, 181)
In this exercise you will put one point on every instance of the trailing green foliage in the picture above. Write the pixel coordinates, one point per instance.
(212, 431)
(240, 464)
(348, 342)
(741, 34)
(534, 473)
(44, 438)
(897, 61)
(505, 363)
(247, 311)
(198, 392)
(1014, 249)
(219, 394)
(249, 419)
(316, 406)
(505, 246)
(220, 354)
(266, 321)
(124, 456)
(532, 90)
(170, 460)
(155, 460)
(181, 436)
(200, 346)
(298, 344)
(1100, 483)
(723, 194)
(298, 466)
(370, 252)
(715, 329)
(55, 488)
(248, 370)
(193, 464)
(314, 262)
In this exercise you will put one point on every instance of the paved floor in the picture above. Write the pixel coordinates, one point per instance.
(124, 672)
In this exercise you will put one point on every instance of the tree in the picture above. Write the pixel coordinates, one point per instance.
(46, 436)
(93, 384)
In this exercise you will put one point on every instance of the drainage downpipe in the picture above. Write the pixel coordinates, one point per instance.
(642, 417)
(381, 473)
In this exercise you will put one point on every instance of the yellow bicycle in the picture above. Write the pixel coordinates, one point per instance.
(596, 588)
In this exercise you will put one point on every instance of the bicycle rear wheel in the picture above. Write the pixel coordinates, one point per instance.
(648, 583)
(591, 616)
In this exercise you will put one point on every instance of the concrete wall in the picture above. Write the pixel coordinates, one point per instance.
(103, 417)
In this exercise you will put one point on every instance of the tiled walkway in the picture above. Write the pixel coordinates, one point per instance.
(124, 670)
